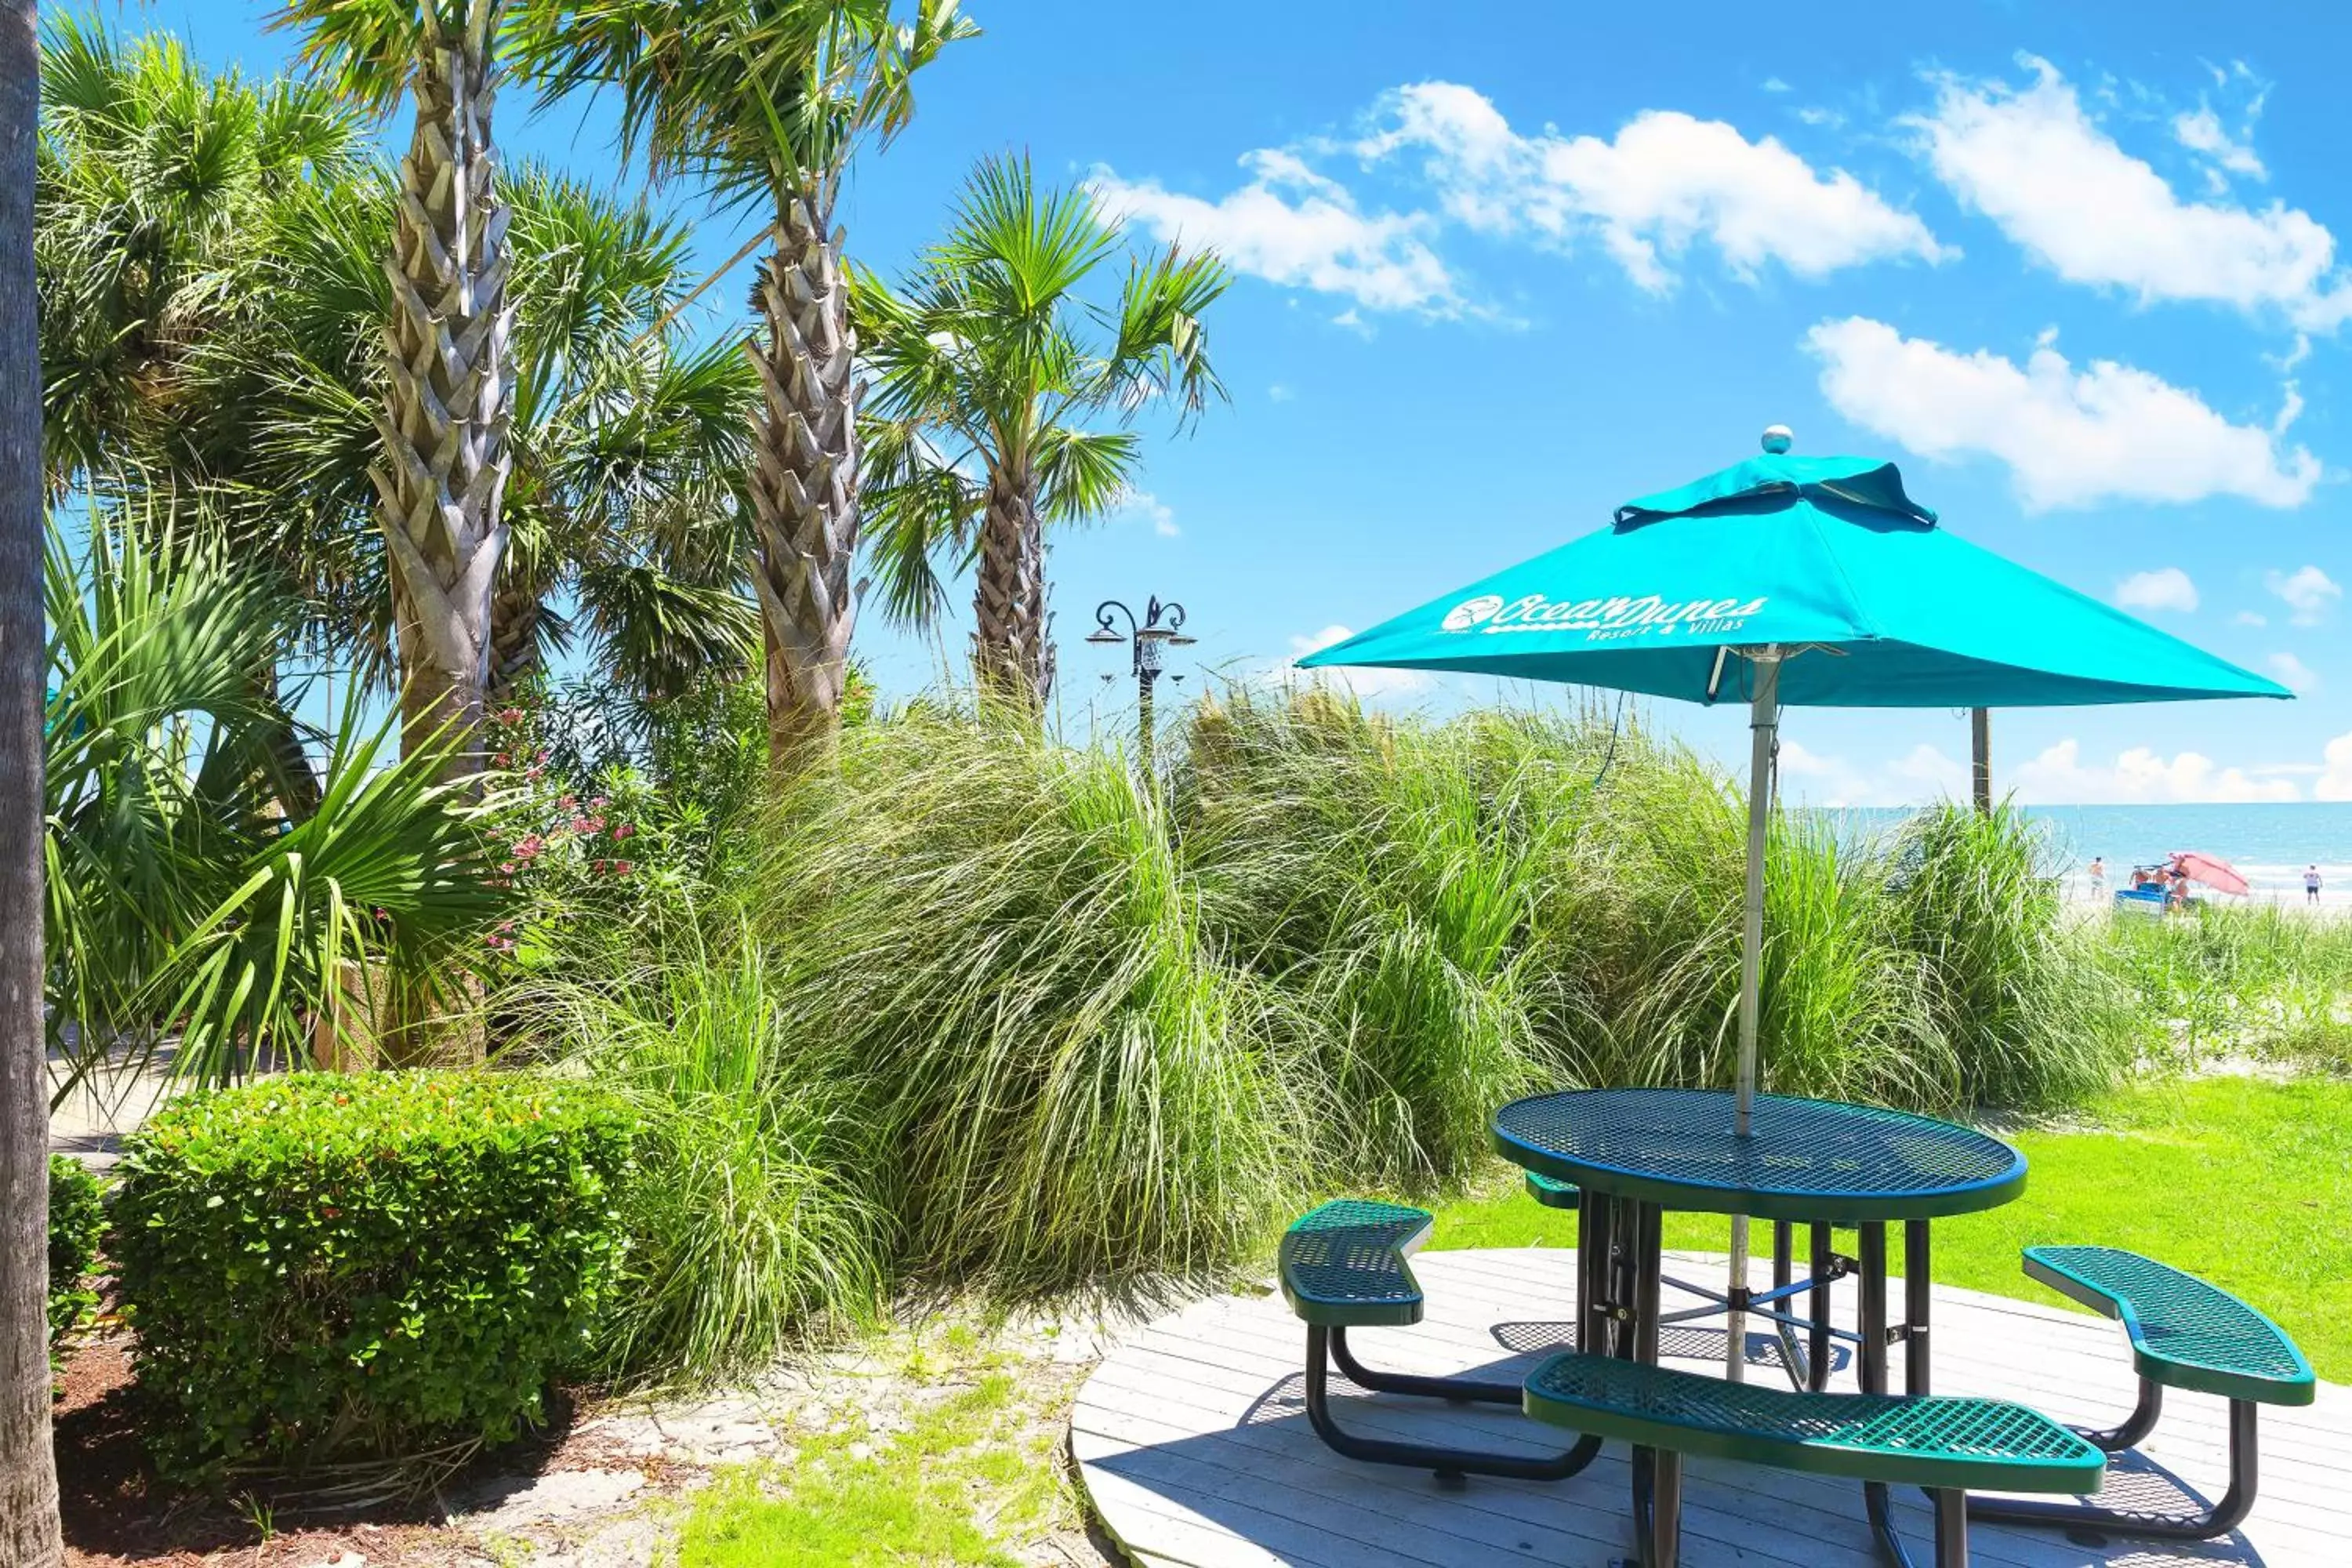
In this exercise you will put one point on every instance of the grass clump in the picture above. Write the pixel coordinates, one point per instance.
(749, 1222)
(1004, 961)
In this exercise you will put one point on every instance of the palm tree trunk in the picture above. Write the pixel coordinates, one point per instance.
(515, 612)
(445, 419)
(804, 479)
(1012, 654)
(28, 1474)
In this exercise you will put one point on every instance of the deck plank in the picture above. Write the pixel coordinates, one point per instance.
(1191, 1441)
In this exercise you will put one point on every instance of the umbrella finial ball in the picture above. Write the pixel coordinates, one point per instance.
(1778, 438)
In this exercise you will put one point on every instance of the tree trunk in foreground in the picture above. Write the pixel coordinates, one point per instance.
(1011, 656)
(28, 1472)
(804, 474)
(445, 419)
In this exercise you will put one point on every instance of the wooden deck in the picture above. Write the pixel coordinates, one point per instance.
(1192, 1444)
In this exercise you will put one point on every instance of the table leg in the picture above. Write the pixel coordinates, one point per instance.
(1918, 1282)
(1649, 1223)
(1594, 1278)
(1818, 1346)
(1871, 1247)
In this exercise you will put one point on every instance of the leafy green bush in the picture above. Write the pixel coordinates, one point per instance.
(320, 1265)
(76, 1227)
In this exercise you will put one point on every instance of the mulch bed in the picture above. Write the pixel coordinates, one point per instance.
(118, 1513)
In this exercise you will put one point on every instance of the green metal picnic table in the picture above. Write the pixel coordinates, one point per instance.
(1634, 1153)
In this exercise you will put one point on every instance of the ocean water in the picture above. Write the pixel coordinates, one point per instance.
(2269, 844)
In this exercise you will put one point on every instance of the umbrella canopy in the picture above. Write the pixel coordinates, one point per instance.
(2212, 871)
(1813, 553)
(1812, 581)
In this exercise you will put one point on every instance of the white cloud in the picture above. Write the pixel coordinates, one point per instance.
(1145, 507)
(2250, 619)
(2109, 432)
(1664, 182)
(2033, 162)
(2335, 781)
(2059, 775)
(1920, 775)
(1774, 84)
(1365, 681)
(2166, 588)
(1279, 393)
(2202, 133)
(1292, 226)
(2292, 673)
(2309, 593)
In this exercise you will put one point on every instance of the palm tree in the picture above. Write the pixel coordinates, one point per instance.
(626, 447)
(28, 1475)
(987, 377)
(441, 478)
(173, 891)
(766, 101)
(157, 180)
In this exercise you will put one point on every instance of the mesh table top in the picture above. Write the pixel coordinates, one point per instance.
(1802, 1159)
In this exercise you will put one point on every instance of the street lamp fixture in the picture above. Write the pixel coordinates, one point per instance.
(1160, 627)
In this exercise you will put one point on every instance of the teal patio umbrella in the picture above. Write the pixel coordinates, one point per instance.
(1787, 581)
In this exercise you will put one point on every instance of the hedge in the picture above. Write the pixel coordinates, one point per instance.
(322, 1266)
(77, 1225)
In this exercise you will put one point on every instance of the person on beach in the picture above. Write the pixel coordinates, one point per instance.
(2098, 877)
(2311, 884)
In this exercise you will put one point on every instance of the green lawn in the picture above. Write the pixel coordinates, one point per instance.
(2245, 1182)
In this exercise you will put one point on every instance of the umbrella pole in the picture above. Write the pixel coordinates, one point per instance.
(1763, 735)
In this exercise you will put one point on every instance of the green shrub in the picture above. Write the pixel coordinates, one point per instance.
(321, 1265)
(76, 1227)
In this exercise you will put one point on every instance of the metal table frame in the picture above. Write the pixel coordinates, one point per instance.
(1619, 1271)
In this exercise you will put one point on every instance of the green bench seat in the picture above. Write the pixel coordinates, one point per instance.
(1343, 1264)
(1945, 1445)
(1342, 1267)
(1553, 1194)
(2185, 1333)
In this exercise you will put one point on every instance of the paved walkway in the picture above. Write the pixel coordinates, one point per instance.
(1192, 1444)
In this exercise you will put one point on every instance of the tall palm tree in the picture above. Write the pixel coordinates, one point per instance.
(627, 445)
(441, 479)
(988, 378)
(766, 101)
(28, 1475)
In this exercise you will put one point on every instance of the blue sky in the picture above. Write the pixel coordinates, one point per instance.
(2078, 268)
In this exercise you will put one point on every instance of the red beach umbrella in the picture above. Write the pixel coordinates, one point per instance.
(2216, 874)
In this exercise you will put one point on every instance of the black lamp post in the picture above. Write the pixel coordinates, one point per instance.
(1161, 628)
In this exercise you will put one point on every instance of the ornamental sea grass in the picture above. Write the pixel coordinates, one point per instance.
(1002, 957)
(751, 1228)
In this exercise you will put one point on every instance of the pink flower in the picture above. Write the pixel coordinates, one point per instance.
(598, 804)
(626, 830)
(508, 869)
(509, 715)
(582, 825)
(622, 866)
(533, 773)
(529, 848)
(502, 760)
(567, 803)
(598, 866)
